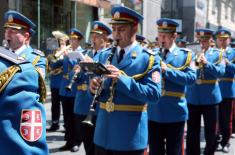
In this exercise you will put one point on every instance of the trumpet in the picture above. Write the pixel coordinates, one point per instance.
(198, 58)
(90, 116)
(61, 51)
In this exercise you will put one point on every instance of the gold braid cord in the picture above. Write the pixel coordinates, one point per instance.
(35, 61)
(220, 57)
(42, 85)
(187, 63)
(139, 76)
(136, 77)
(7, 75)
(42, 88)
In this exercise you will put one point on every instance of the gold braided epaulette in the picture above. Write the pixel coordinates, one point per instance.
(7, 75)
(42, 88)
(35, 61)
(187, 63)
(139, 76)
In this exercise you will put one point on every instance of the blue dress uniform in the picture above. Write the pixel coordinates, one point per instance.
(55, 76)
(167, 117)
(203, 98)
(18, 21)
(232, 44)
(121, 126)
(68, 96)
(23, 117)
(83, 97)
(227, 87)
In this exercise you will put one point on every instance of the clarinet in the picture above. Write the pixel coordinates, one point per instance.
(5, 44)
(69, 86)
(75, 75)
(89, 118)
(162, 49)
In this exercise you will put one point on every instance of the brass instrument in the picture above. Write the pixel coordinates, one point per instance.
(90, 116)
(198, 58)
(61, 51)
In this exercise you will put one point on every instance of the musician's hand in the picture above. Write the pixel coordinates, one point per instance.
(115, 72)
(95, 83)
(163, 66)
(203, 59)
(226, 61)
(76, 68)
(88, 59)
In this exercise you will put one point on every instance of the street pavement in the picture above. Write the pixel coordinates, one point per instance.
(55, 139)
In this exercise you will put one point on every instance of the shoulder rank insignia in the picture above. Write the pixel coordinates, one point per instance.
(134, 54)
(10, 56)
(38, 52)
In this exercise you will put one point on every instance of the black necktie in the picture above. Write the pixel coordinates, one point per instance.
(121, 54)
(165, 53)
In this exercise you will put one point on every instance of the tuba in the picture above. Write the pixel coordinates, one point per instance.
(90, 116)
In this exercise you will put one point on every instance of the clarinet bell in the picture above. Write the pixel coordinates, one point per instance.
(69, 87)
(89, 119)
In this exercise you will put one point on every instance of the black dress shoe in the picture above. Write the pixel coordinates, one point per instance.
(75, 148)
(226, 149)
(65, 147)
(54, 127)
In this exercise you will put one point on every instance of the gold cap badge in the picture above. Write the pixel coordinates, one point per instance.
(164, 24)
(116, 15)
(96, 26)
(10, 18)
(201, 33)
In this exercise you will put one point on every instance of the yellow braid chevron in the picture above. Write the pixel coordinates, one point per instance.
(139, 76)
(187, 63)
(7, 75)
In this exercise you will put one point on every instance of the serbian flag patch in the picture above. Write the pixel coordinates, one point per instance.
(31, 125)
(156, 77)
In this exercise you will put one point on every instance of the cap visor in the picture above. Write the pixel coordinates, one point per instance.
(13, 26)
(120, 22)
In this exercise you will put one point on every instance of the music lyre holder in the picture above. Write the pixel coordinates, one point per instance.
(94, 67)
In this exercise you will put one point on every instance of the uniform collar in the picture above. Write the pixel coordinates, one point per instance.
(128, 48)
(20, 50)
(173, 46)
